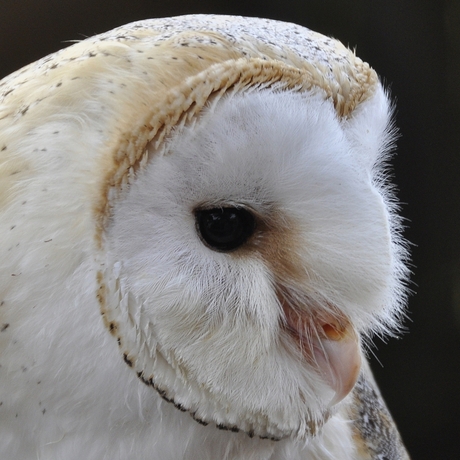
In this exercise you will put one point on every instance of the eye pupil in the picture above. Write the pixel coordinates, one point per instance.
(225, 229)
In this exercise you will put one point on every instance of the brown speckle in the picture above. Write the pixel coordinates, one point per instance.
(127, 360)
(201, 422)
(4, 327)
(3, 148)
(101, 297)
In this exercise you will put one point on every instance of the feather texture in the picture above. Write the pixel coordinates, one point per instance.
(126, 333)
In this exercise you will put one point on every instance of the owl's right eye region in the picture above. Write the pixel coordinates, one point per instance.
(224, 229)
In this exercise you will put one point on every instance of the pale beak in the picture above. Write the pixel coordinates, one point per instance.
(330, 344)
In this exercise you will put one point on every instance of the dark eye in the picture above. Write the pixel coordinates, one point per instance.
(225, 229)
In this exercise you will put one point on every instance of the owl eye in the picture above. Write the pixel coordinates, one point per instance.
(224, 229)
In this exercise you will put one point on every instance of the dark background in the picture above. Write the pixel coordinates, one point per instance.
(415, 46)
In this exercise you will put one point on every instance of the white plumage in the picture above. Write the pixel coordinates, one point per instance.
(197, 236)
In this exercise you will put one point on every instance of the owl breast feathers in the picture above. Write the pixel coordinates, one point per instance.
(198, 241)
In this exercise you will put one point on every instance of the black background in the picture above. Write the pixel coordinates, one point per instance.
(415, 46)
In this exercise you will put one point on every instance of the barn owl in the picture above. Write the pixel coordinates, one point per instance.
(198, 242)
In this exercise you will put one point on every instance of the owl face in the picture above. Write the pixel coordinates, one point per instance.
(247, 257)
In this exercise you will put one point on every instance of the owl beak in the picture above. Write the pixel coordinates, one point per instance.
(330, 344)
(337, 354)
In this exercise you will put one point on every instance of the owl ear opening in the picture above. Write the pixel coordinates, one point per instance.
(370, 130)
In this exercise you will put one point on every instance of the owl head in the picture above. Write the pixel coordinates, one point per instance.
(245, 233)
(248, 243)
